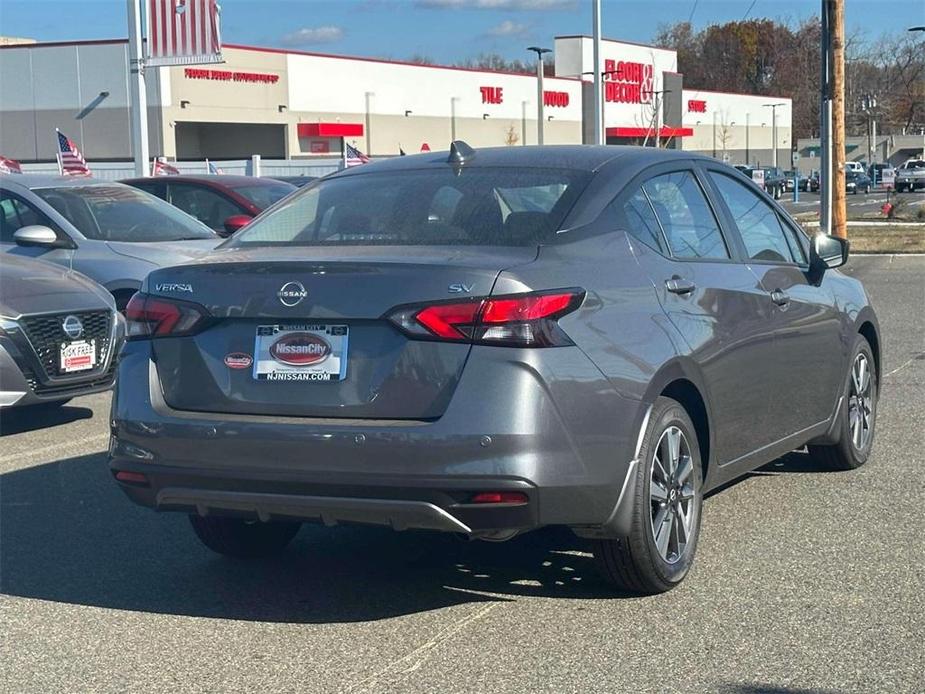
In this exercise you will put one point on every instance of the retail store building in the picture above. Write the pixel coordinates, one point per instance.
(293, 105)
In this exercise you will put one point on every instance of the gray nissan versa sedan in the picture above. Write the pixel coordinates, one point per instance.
(488, 341)
(59, 333)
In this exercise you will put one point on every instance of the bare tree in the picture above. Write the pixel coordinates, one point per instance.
(511, 137)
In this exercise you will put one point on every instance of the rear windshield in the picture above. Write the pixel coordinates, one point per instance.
(265, 194)
(121, 213)
(476, 206)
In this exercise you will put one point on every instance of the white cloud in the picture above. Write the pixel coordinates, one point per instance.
(312, 36)
(508, 28)
(498, 4)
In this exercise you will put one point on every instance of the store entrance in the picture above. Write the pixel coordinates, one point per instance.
(196, 141)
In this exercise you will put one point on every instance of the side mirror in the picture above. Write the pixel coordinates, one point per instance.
(236, 222)
(829, 252)
(36, 235)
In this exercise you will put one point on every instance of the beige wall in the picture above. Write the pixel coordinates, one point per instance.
(225, 101)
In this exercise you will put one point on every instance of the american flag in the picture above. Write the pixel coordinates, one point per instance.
(159, 167)
(9, 166)
(213, 169)
(353, 156)
(183, 32)
(70, 161)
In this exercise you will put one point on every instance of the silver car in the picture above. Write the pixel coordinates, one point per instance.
(110, 232)
(59, 334)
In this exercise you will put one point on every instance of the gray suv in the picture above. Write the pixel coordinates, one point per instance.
(59, 334)
(485, 342)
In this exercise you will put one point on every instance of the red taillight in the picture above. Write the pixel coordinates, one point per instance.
(526, 308)
(155, 316)
(452, 321)
(522, 320)
(130, 477)
(499, 498)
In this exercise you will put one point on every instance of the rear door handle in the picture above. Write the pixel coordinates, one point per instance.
(679, 285)
(780, 297)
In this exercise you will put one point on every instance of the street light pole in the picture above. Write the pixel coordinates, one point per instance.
(747, 128)
(539, 90)
(139, 102)
(598, 86)
(773, 108)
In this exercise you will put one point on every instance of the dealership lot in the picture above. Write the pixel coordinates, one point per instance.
(858, 205)
(804, 580)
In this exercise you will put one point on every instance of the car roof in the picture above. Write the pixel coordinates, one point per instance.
(34, 181)
(221, 180)
(579, 157)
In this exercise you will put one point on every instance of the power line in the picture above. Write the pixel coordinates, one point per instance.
(693, 9)
(748, 11)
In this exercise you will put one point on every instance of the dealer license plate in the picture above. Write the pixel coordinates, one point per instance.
(77, 356)
(300, 352)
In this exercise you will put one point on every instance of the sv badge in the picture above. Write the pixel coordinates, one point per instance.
(459, 288)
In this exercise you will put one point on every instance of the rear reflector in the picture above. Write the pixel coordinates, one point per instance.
(130, 477)
(518, 320)
(155, 316)
(499, 498)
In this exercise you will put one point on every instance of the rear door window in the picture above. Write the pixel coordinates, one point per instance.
(756, 220)
(685, 216)
(641, 222)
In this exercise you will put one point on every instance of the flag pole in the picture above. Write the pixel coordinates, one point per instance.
(139, 111)
(58, 152)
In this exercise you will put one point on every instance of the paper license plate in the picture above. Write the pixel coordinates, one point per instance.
(77, 356)
(305, 352)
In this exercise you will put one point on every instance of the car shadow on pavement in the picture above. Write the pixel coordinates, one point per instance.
(791, 463)
(769, 689)
(68, 534)
(25, 419)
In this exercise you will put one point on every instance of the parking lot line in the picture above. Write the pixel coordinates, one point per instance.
(39, 453)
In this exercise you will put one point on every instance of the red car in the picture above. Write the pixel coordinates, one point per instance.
(222, 203)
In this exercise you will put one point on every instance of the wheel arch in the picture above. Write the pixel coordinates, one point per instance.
(868, 329)
(682, 381)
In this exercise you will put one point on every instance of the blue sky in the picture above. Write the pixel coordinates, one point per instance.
(443, 30)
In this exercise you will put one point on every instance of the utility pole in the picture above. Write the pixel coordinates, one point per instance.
(825, 120)
(839, 210)
(539, 90)
(139, 111)
(598, 87)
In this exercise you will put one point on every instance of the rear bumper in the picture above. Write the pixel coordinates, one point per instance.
(570, 457)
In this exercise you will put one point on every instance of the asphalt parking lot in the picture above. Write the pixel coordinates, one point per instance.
(859, 205)
(806, 581)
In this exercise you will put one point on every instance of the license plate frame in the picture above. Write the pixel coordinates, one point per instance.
(292, 352)
(75, 356)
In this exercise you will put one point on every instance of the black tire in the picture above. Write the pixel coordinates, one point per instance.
(235, 537)
(634, 563)
(844, 454)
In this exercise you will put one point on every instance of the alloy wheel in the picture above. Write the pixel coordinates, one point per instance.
(860, 403)
(672, 495)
